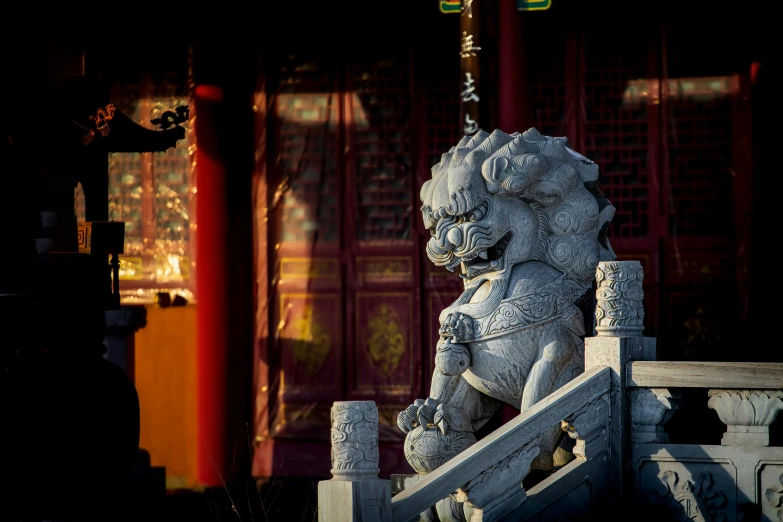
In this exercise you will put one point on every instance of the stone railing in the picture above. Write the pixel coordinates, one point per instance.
(746, 396)
(488, 475)
(617, 411)
(740, 479)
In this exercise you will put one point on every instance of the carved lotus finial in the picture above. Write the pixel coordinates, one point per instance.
(652, 406)
(651, 409)
(746, 407)
(747, 414)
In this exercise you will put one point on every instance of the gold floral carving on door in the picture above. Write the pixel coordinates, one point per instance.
(312, 343)
(386, 340)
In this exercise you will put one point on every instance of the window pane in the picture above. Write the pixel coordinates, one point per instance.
(153, 194)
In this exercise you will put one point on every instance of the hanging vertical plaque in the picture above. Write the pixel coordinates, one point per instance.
(450, 6)
(470, 76)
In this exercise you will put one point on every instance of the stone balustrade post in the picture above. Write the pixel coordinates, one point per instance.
(747, 414)
(651, 409)
(619, 316)
(355, 493)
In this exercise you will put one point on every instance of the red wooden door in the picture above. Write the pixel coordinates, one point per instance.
(345, 288)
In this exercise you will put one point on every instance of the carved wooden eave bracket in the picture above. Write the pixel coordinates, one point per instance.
(115, 132)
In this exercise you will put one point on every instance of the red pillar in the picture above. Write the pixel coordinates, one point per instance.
(225, 282)
(513, 99)
(212, 320)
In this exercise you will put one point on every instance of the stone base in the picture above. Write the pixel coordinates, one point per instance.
(746, 436)
(361, 501)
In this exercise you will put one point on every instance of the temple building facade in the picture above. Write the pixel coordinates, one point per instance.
(288, 221)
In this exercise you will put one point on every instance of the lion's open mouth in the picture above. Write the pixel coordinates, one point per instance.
(482, 261)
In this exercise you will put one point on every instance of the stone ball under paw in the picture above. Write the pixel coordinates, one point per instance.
(426, 448)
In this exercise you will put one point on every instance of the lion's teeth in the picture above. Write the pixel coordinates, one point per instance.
(483, 254)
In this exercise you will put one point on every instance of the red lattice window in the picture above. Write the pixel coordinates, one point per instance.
(616, 128)
(699, 141)
(443, 109)
(547, 87)
(307, 150)
(380, 106)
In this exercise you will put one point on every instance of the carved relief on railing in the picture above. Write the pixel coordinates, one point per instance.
(499, 489)
(588, 427)
(774, 498)
(619, 311)
(690, 501)
(651, 409)
(747, 414)
(354, 440)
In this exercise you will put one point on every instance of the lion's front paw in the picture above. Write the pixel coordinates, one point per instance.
(420, 413)
(449, 418)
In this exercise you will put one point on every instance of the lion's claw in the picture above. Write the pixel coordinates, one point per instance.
(441, 420)
(406, 419)
(420, 413)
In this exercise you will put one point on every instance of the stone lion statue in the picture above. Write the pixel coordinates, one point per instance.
(522, 218)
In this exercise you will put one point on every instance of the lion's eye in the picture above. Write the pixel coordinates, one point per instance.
(479, 213)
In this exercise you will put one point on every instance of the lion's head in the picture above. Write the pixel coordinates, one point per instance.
(496, 200)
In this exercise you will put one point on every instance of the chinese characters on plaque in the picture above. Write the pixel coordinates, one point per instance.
(467, 8)
(469, 92)
(469, 67)
(468, 47)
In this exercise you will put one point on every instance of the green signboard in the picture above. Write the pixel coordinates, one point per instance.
(533, 5)
(455, 6)
(450, 6)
